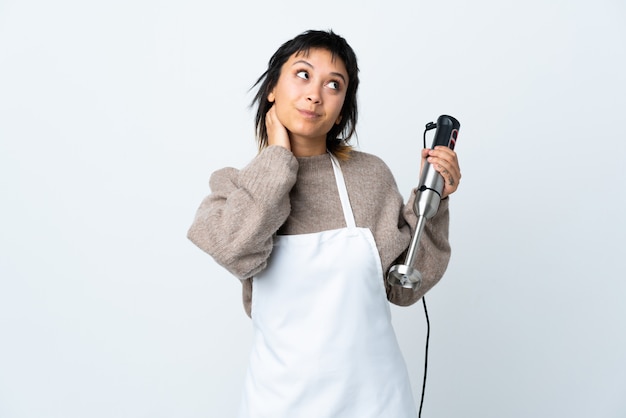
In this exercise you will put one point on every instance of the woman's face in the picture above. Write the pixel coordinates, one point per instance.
(309, 94)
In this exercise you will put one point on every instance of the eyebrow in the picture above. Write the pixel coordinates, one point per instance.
(308, 64)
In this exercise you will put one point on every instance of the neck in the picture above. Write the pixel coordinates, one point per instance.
(301, 147)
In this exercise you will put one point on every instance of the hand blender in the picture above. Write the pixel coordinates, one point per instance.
(427, 198)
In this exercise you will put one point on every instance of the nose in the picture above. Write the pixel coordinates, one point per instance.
(313, 95)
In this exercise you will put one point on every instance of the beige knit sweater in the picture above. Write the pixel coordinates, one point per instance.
(277, 193)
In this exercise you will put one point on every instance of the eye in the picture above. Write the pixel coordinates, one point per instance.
(303, 74)
(334, 85)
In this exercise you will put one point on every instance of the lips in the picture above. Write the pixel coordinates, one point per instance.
(308, 114)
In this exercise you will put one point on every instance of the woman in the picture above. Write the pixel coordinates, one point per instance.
(310, 226)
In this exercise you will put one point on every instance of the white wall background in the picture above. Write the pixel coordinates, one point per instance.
(114, 114)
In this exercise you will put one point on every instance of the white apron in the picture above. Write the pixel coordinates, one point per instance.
(324, 346)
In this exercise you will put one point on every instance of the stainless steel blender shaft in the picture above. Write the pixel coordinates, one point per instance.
(426, 203)
(404, 274)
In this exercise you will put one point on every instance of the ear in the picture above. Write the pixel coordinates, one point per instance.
(338, 120)
(271, 97)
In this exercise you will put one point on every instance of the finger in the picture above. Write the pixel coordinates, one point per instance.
(424, 157)
(276, 133)
(450, 172)
(446, 158)
(450, 179)
(270, 116)
(450, 185)
(445, 153)
(442, 164)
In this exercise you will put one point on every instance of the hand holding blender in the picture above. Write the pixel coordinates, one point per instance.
(429, 194)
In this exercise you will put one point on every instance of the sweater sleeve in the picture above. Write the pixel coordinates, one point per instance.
(236, 223)
(433, 253)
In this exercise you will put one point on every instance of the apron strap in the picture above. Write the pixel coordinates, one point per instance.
(343, 193)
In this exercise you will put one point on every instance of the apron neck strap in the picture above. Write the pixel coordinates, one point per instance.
(343, 193)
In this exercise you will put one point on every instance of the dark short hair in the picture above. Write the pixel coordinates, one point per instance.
(339, 135)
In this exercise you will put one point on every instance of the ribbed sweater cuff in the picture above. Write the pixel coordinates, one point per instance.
(443, 204)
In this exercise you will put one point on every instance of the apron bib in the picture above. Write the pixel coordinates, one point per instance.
(324, 346)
